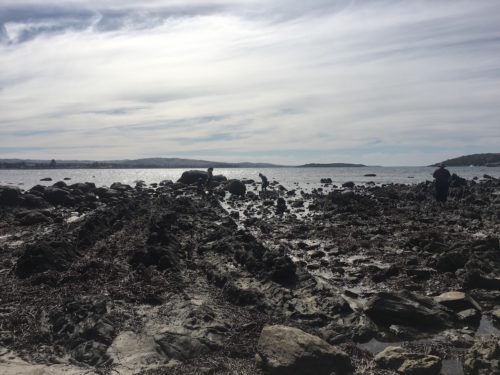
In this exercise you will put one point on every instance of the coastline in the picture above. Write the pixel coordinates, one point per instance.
(158, 279)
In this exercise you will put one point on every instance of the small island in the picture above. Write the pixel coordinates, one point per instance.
(476, 160)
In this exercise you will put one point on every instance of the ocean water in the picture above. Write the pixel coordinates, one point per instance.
(288, 177)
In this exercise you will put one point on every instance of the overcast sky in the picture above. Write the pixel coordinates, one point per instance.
(284, 81)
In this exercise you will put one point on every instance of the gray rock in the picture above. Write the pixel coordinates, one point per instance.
(457, 301)
(397, 359)
(406, 309)
(34, 217)
(285, 350)
(483, 358)
(236, 187)
(9, 195)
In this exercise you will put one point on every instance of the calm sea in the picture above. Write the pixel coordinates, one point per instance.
(289, 177)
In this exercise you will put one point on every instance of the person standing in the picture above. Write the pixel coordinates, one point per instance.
(265, 182)
(442, 177)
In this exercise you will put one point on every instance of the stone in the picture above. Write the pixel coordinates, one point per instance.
(326, 180)
(348, 184)
(60, 184)
(9, 195)
(457, 301)
(57, 196)
(286, 350)
(236, 187)
(407, 309)
(483, 358)
(398, 359)
(472, 316)
(46, 179)
(34, 217)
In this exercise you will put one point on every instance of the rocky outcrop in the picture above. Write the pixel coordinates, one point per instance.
(403, 362)
(236, 187)
(287, 350)
(407, 309)
(483, 358)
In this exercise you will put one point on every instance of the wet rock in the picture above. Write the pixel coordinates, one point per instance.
(406, 308)
(403, 362)
(348, 184)
(496, 315)
(483, 358)
(280, 206)
(457, 301)
(370, 175)
(46, 179)
(60, 184)
(280, 267)
(34, 217)
(9, 195)
(163, 257)
(120, 187)
(192, 177)
(45, 255)
(236, 187)
(286, 350)
(33, 201)
(58, 196)
(451, 261)
(91, 352)
(326, 180)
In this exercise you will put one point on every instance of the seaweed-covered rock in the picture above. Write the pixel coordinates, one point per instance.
(236, 187)
(44, 256)
(483, 358)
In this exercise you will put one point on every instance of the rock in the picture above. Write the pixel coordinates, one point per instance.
(396, 358)
(287, 350)
(496, 314)
(280, 206)
(60, 184)
(9, 195)
(451, 261)
(192, 177)
(483, 358)
(43, 256)
(91, 352)
(326, 181)
(57, 196)
(348, 184)
(67, 178)
(370, 175)
(46, 179)
(457, 301)
(120, 187)
(184, 344)
(33, 201)
(236, 187)
(407, 309)
(469, 316)
(34, 217)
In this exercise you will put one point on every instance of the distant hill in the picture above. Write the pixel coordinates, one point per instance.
(330, 165)
(489, 160)
(137, 163)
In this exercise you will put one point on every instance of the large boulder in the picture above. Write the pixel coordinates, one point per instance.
(236, 187)
(407, 309)
(192, 177)
(397, 359)
(483, 358)
(286, 350)
(9, 195)
(58, 196)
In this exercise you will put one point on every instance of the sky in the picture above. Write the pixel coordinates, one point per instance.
(379, 82)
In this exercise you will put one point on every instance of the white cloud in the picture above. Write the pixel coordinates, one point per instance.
(247, 80)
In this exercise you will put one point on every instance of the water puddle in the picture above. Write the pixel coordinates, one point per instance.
(452, 367)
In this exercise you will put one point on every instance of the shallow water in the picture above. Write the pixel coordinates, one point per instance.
(306, 177)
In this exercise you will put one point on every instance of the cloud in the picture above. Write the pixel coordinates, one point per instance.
(382, 82)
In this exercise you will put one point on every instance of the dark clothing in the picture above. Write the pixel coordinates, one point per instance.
(442, 177)
(265, 183)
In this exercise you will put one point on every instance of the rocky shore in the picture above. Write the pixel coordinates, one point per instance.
(162, 279)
